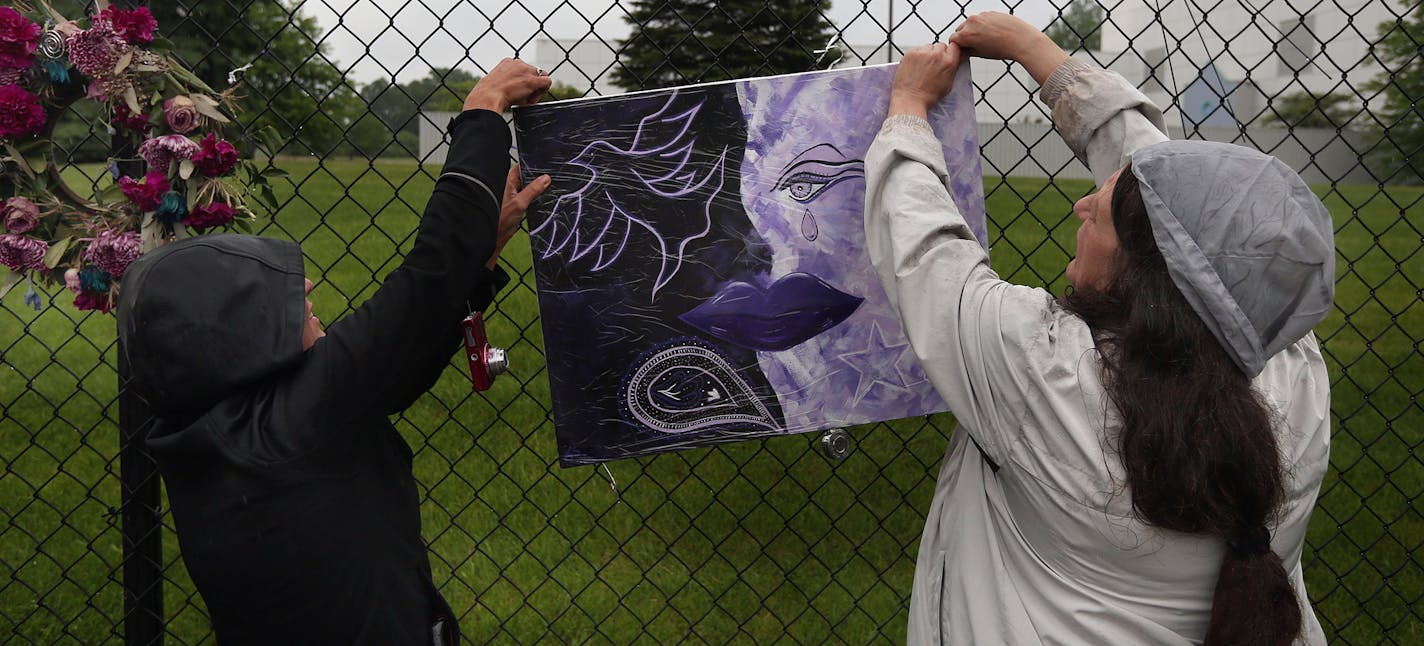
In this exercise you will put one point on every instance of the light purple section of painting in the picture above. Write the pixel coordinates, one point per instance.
(862, 370)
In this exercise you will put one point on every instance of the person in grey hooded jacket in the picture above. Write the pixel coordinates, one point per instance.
(1136, 462)
(296, 509)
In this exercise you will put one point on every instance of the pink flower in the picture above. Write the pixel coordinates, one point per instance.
(215, 156)
(20, 253)
(20, 215)
(134, 26)
(181, 114)
(210, 215)
(113, 251)
(160, 152)
(96, 50)
(146, 195)
(21, 114)
(87, 300)
(18, 39)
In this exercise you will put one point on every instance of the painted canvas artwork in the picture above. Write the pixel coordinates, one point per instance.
(701, 266)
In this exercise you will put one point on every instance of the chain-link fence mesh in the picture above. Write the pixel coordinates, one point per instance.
(765, 540)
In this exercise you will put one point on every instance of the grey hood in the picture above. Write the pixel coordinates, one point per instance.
(1246, 241)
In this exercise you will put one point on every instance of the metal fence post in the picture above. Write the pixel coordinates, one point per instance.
(141, 526)
(139, 499)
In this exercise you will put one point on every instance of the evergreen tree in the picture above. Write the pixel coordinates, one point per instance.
(1400, 153)
(676, 42)
(1078, 26)
(1304, 109)
(293, 85)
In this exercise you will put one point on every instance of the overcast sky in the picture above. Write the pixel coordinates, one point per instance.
(373, 42)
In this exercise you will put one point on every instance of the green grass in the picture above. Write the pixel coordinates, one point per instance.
(757, 540)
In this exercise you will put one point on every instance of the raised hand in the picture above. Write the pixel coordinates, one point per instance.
(512, 82)
(923, 78)
(998, 35)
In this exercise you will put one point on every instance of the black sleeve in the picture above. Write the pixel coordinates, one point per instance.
(393, 348)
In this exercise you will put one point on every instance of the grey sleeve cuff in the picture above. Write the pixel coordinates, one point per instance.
(1058, 81)
(906, 122)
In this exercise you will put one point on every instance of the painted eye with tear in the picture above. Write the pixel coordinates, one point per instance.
(810, 173)
(807, 176)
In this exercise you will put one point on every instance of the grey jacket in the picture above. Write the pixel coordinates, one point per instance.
(1047, 550)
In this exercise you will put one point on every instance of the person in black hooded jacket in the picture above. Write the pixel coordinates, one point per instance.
(296, 509)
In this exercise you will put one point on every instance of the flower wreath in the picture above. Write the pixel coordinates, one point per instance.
(46, 229)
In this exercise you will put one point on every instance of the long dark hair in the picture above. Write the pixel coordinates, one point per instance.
(1197, 441)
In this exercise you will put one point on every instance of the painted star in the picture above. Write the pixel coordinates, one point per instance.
(871, 358)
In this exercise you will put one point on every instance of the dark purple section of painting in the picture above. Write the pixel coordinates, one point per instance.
(598, 322)
(795, 308)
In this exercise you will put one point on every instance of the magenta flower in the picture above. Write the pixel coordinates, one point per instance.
(181, 114)
(96, 50)
(20, 215)
(113, 251)
(20, 253)
(215, 157)
(212, 215)
(87, 300)
(160, 152)
(21, 114)
(146, 195)
(135, 26)
(18, 39)
(123, 117)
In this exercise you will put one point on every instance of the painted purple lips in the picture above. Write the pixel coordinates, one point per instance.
(795, 308)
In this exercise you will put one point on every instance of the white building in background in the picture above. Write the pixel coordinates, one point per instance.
(1259, 49)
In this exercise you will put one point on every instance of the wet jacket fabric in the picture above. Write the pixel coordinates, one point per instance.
(296, 509)
(1034, 540)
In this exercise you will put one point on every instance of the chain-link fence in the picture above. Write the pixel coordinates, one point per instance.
(760, 541)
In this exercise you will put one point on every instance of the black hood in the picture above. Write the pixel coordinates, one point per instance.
(202, 317)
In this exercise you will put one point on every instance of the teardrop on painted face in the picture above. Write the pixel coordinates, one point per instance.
(809, 230)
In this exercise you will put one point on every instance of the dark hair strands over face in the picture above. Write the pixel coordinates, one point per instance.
(1197, 441)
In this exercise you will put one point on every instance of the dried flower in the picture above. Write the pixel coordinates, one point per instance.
(21, 114)
(71, 280)
(18, 39)
(87, 300)
(113, 251)
(96, 50)
(20, 215)
(211, 215)
(172, 209)
(123, 117)
(215, 156)
(181, 114)
(93, 279)
(20, 253)
(160, 152)
(146, 195)
(134, 25)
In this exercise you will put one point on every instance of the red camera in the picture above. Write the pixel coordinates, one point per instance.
(486, 361)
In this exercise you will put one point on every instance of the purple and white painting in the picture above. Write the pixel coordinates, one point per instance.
(701, 264)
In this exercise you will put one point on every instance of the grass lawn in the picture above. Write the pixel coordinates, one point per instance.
(757, 540)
